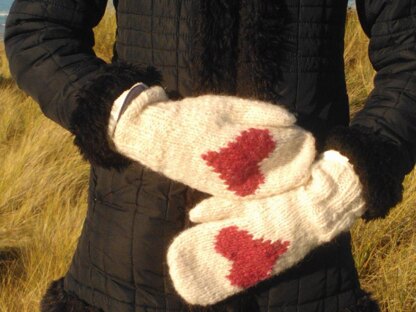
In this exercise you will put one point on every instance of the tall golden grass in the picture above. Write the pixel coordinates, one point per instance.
(43, 188)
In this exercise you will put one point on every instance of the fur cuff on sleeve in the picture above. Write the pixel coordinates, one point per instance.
(377, 162)
(89, 121)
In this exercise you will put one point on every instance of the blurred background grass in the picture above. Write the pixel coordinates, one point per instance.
(43, 189)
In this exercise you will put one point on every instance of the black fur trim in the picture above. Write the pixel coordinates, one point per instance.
(57, 300)
(377, 162)
(236, 47)
(214, 47)
(364, 304)
(260, 39)
(89, 122)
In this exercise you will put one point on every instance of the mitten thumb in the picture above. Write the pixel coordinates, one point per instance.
(216, 209)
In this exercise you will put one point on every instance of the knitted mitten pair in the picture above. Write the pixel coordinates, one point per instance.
(272, 203)
(241, 243)
(221, 145)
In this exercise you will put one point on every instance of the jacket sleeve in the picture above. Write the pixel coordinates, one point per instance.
(49, 45)
(390, 109)
(381, 139)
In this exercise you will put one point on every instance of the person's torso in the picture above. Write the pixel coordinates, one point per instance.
(288, 52)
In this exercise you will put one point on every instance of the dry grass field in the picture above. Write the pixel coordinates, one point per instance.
(43, 185)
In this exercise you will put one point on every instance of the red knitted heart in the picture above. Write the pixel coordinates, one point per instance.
(238, 163)
(253, 259)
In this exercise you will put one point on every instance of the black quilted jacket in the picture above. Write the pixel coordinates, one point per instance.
(286, 51)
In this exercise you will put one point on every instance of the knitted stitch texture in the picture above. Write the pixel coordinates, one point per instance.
(241, 243)
(221, 145)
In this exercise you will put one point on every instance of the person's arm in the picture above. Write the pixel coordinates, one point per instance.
(49, 45)
(381, 139)
(390, 109)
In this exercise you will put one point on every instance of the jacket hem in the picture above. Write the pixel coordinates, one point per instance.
(364, 304)
(56, 299)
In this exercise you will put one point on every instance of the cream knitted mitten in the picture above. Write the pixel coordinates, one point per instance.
(244, 242)
(221, 145)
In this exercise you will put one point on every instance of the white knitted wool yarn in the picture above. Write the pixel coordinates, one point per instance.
(221, 145)
(244, 242)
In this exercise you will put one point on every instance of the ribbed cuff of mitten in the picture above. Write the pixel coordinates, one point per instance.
(89, 122)
(378, 164)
